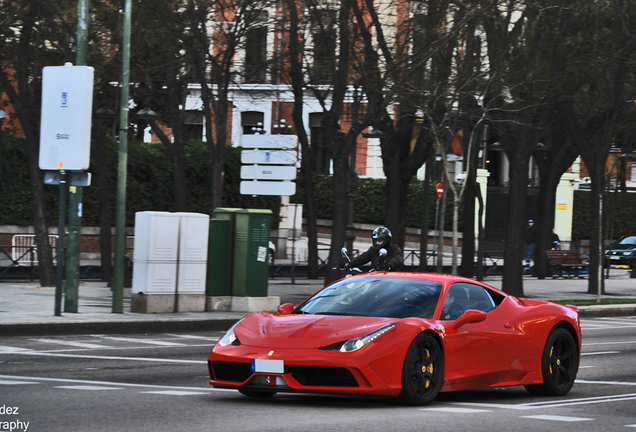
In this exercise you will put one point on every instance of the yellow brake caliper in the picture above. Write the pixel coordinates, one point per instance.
(428, 368)
(558, 361)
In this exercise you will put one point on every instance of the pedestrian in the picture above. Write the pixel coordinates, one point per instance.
(530, 238)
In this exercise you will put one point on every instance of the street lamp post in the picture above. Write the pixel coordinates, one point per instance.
(351, 194)
(120, 222)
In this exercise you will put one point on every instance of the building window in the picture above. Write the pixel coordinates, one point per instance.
(322, 155)
(256, 49)
(193, 125)
(323, 32)
(252, 122)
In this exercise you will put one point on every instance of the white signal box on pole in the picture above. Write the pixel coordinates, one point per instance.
(67, 106)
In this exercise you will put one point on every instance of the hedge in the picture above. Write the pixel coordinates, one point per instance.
(149, 184)
(149, 187)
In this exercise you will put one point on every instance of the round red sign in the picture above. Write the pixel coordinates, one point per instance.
(440, 190)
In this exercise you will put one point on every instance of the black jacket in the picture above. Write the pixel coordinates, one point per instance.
(530, 234)
(393, 260)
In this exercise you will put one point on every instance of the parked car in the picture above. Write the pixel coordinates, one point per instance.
(621, 252)
(406, 335)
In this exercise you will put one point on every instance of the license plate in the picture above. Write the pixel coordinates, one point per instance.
(615, 257)
(268, 366)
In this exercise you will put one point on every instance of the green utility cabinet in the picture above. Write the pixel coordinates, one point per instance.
(249, 231)
(251, 243)
(218, 281)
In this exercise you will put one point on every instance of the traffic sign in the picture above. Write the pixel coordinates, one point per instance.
(258, 141)
(274, 157)
(74, 178)
(256, 172)
(440, 190)
(279, 188)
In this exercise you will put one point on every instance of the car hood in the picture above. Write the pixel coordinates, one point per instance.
(268, 330)
(621, 248)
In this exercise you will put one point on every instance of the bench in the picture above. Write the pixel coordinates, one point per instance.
(565, 263)
(493, 252)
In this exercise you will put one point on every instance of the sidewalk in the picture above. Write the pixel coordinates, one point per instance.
(26, 309)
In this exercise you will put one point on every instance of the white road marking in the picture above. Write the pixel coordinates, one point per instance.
(625, 383)
(7, 382)
(88, 387)
(147, 359)
(634, 425)
(456, 410)
(72, 343)
(558, 418)
(600, 353)
(549, 404)
(113, 384)
(609, 343)
(143, 341)
(123, 348)
(4, 349)
(174, 392)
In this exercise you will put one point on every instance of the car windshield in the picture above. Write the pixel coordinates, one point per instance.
(390, 297)
(631, 240)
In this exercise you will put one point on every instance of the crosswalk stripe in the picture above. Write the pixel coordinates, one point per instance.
(8, 382)
(211, 339)
(72, 343)
(557, 418)
(144, 341)
(88, 387)
(174, 392)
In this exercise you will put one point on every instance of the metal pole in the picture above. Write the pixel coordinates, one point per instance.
(60, 243)
(120, 224)
(71, 284)
(82, 31)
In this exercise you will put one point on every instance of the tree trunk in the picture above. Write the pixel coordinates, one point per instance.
(339, 228)
(596, 229)
(512, 281)
(105, 210)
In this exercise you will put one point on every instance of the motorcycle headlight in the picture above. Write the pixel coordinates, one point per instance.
(357, 343)
(230, 337)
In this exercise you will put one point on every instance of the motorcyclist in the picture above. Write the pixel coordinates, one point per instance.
(381, 239)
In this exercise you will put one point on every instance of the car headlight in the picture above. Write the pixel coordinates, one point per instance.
(357, 343)
(230, 337)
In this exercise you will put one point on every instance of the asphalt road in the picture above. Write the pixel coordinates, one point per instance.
(158, 382)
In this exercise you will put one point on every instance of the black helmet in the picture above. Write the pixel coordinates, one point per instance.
(381, 237)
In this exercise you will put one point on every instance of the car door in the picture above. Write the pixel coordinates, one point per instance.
(476, 354)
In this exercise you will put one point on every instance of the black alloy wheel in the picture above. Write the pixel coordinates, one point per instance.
(423, 371)
(559, 365)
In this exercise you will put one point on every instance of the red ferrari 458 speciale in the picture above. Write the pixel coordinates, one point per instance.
(407, 335)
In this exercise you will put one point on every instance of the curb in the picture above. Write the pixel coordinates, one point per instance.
(607, 311)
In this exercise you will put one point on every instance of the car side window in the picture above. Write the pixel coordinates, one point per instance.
(462, 296)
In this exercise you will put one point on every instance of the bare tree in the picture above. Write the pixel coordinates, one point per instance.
(33, 34)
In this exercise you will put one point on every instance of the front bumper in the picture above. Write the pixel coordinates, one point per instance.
(308, 370)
